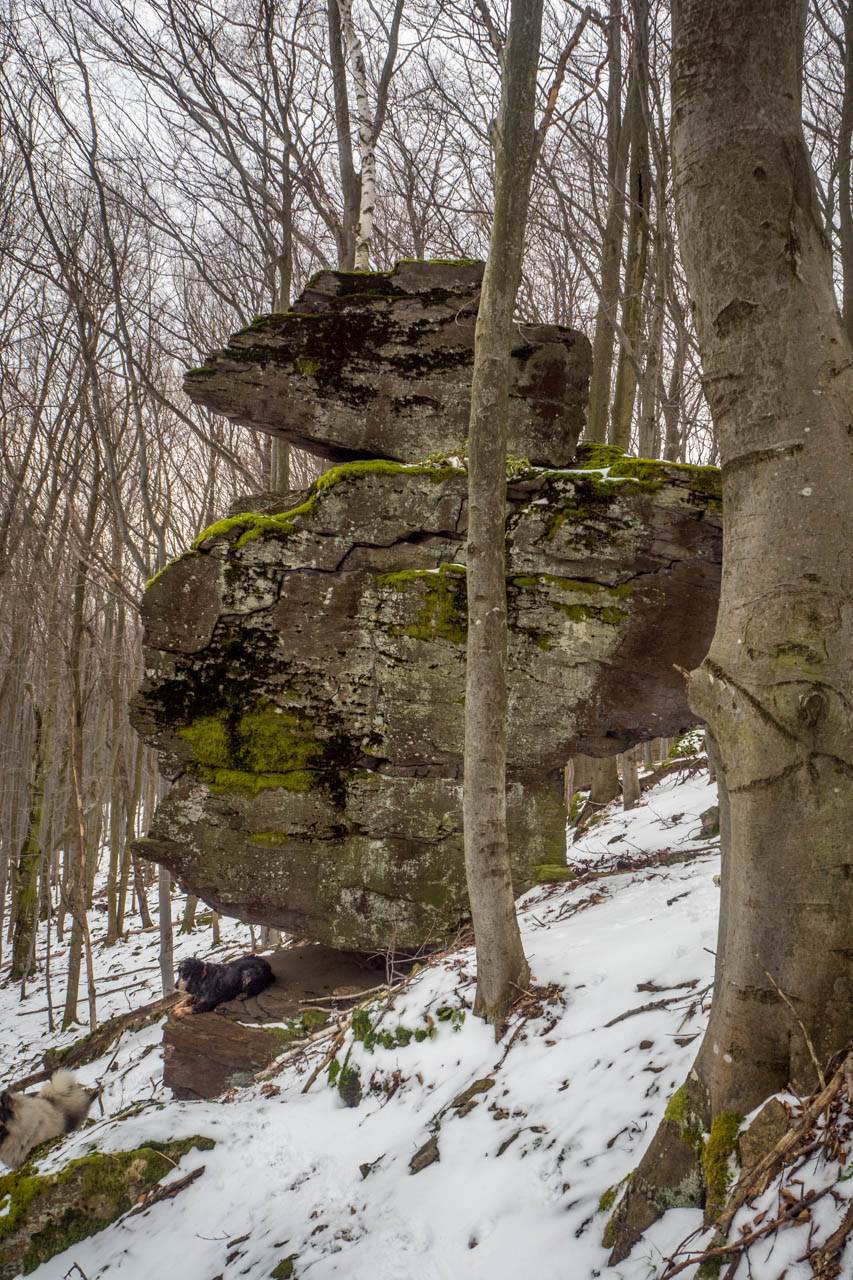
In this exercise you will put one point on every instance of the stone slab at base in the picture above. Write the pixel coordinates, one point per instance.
(207, 1053)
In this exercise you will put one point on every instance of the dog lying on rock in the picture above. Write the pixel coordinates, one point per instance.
(211, 984)
(28, 1119)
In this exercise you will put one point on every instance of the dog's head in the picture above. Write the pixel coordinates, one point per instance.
(190, 975)
(7, 1110)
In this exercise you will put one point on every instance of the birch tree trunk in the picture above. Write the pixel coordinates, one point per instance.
(776, 687)
(501, 964)
(366, 140)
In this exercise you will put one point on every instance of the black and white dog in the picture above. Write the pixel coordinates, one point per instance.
(28, 1119)
(211, 984)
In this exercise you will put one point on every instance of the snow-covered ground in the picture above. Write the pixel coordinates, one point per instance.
(564, 1105)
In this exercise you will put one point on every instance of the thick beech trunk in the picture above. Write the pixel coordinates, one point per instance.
(776, 687)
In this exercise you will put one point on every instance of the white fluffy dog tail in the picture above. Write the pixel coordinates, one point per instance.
(65, 1092)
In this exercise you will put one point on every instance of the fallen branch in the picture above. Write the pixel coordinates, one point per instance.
(738, 1247)
(644, 1008)
(758, 1178)
(168, 1192)
(97, 1043)
(324, 1062)
(822, 1258)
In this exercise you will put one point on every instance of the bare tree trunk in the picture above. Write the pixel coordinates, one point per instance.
(605, 780)
(583, 766)
(132, 796)
(366, 140)
(141, 895)
(776, 687)
(279, 465)
(78, 873)
(501, 964)
(350, 185)
(29, 865)
(167, 957)
(630, 778)
(188, 918)
(639, 195)
(611, 247)
(845, 187)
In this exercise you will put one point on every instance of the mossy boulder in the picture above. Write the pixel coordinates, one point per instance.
(378, 364)
(41, 1215)
(315, 741)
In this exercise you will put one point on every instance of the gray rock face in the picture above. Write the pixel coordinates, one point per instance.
(305, 682)
(378, 365)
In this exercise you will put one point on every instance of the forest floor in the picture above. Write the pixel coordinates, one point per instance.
(465, 1159)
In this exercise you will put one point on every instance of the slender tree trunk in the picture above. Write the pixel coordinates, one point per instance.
(611, 249)
(605, 780)
(501, 965)
(630, 778)
(29, 866)
(639, 195)
(141, 895)
(116, 724)
(350, 183)
(132, 797)
(76, 891)
(671, 402)
(776, 687)
(648, 430)
(366, 140)
(845, 187)
(167, 957)
(188, 918)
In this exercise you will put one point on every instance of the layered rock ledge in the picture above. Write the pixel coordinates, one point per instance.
(304, 681)
(378, 365)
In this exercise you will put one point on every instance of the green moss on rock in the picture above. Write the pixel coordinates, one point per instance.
(443, 614)
(721, 1145)
(249, 525)
(47, 1213)
(284, 1269)
(598, 456)
(551, 873)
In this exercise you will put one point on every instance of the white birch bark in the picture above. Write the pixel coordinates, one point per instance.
(366, 138)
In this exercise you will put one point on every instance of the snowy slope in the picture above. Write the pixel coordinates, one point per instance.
(564, 1106)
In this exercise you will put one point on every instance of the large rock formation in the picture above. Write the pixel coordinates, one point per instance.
(378, 365)
(305, 681)
(304, 674)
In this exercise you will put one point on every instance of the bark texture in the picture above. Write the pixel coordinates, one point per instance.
(776, 686)
(501, 964)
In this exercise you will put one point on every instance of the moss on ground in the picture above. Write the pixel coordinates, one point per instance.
(80, 1199)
